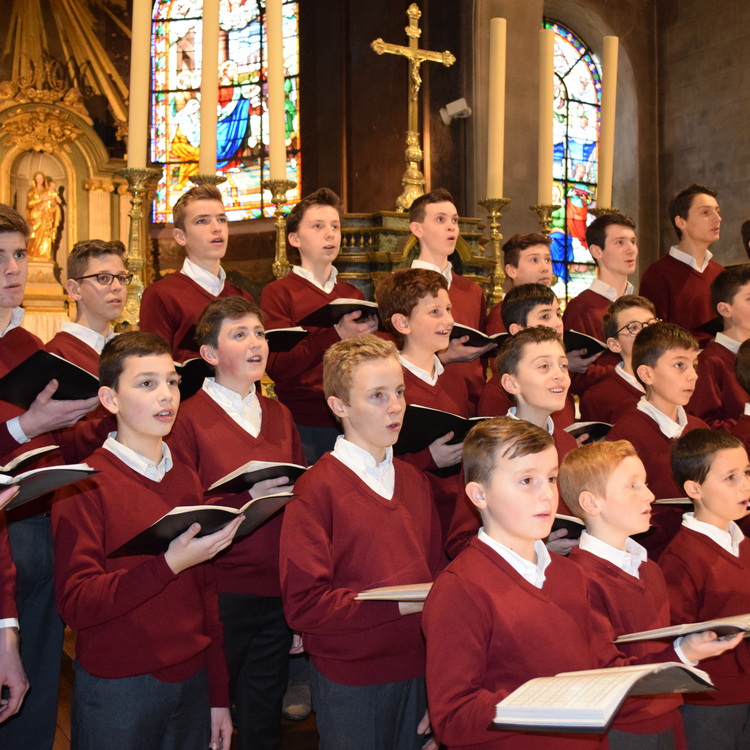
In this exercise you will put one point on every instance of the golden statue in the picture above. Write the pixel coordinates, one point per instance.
(44, 215)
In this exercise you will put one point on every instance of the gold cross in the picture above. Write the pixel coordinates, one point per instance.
(413, 180)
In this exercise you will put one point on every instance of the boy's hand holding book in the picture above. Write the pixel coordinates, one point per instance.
(7, 495)
(47, 414)
(445, 455)
(458, 351)
(355, 324)
(189, 549)
(271, 487)
(706, 645)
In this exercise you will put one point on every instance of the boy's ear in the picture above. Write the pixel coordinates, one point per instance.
(337, 406)
(724, 309)
(589, 503)
(71, 287)
(692, 489)
(511, 271)
(596, 252)
(415, 227)
(179, 237)
(644, 373)
(401, 323)
(509, 384)
(108, 399)
(514, 328)
(209, 354)
(475, 493)
(614, 345)
(293, 239)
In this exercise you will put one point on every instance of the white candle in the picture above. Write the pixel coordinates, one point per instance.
(546, 95)
(140, 84)
(607, 122)
(275, 73)
(496, 126)
(209, 87)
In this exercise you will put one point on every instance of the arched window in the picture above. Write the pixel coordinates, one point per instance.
(575, 113)
(242, 148)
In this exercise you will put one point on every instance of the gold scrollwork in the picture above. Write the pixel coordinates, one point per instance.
(43, 130)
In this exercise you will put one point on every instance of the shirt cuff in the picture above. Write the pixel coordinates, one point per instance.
(677, 644)
(16, 432)
(9, 622)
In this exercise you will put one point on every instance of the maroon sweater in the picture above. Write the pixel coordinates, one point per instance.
(340, 538)
(489, 631)
(133, 615)
(681, 294)
(298, 374)
(495, 319)
(74, 350)
(584, 313)
(631, 605)
(718, 399)
(172, 306)
(742, 430)
(609, 400)
(213, 444)
(705, 582)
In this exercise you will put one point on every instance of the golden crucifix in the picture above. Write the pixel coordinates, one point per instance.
(413, 179)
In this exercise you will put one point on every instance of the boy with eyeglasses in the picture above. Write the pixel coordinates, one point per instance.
(619, 390)
(97, 281)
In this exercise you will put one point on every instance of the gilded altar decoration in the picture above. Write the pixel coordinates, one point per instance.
(43, 130)
(43, 214)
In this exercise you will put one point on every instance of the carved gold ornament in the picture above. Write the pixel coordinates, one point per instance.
(42, 130)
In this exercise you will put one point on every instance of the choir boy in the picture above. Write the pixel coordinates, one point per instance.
(679, 283)
(97, 282)
(314, 227)
(171, 306)
(707, 569)
(617, 392)
(225, 425)
(719, 399)
(362, 520)
(150, 665)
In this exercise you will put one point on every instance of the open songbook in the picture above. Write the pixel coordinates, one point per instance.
(329, 315)
(423, 425)
(575, 341)
(26, 459)
(477, 338)
(588, 701)
(37, 482)
(596, 431)
(574, 526)
(722, 626)
(411, 592)
(156, 538)
(285, 339)
(253, 472)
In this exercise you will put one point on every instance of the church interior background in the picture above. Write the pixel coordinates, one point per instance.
(65, 88)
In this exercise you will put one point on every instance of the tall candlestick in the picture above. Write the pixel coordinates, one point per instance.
(275, 74)
(140, 84)
(209, 86)
(546, 97)
(607, 122)
(496, 131)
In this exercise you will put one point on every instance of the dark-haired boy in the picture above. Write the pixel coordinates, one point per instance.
(171, 306)
(362, 520)
(707, 569)
(314, 227)
(150, 664)
(719, 399)
(619, 390)
(679, 283)
(97, 282)
(226, 424)
(433, 220)
(527, 260)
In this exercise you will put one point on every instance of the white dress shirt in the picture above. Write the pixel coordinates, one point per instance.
(212, 284)
(430, 378)
(329, 284)
(728, 540)
(246, 412)
(379, 477)
(601, 287)
(677, 254)
(95, 340)
(668, 428)
(446, 273)
(144, 466)
(534, 573)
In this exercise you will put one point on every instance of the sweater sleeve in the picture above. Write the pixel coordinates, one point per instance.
(7, 574)
(218, 675)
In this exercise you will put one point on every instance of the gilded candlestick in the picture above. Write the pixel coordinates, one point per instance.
(494, 208)
(278, 190)
(603, 211)
(544, 212)
(208, 179)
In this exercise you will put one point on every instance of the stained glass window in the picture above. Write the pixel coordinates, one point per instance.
(242, 131)
(575, 113)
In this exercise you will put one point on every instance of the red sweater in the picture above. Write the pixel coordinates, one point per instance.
(584, 313)
(7, 574)
(704, 582)
(74, 350)
(681, 294)
(609, 400)
(172, 306)
(213, 444)
(133, 615)
(719, 400)
(633, 604)
(489, 631)
(495, 319)
(298, 374)
(340, 538)
(742, 430)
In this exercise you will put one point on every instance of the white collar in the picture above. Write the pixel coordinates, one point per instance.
(16, 318)
(627, 377)
(728, 343)
(427, 377)
(245, 411)
(89, 336)
(668, 428)
(379, 477)
(327, 287)
(689, 260)
(727, 540)
(629, 559)
(139, 463)
(550, 424)
(205, 279)
(601, 287)
(534, 573)
(747, 409)
(446, 273)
